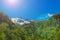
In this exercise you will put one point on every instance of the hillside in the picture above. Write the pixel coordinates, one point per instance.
(35, 30)
(56, 17)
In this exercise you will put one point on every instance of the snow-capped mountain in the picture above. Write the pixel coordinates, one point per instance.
(20, 21)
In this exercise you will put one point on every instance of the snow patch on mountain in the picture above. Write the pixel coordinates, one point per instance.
(20, 21)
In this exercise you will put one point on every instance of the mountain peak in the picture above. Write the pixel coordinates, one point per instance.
(20, 21)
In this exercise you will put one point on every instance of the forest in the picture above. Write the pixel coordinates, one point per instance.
(37, 30)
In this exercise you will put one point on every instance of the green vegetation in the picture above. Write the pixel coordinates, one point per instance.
(39, 30)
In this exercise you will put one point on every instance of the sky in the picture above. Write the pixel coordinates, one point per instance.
(30, 9)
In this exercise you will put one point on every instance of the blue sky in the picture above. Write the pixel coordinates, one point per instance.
(32, 9)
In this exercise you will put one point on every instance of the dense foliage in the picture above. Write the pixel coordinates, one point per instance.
(39, 30)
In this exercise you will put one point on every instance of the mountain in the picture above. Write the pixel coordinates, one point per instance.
(4, 18)
(10, 21)
(30, 29)
(20, 21)
(56, 18)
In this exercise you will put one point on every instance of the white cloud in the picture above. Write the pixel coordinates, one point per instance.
(45, 16)
(50, 14)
